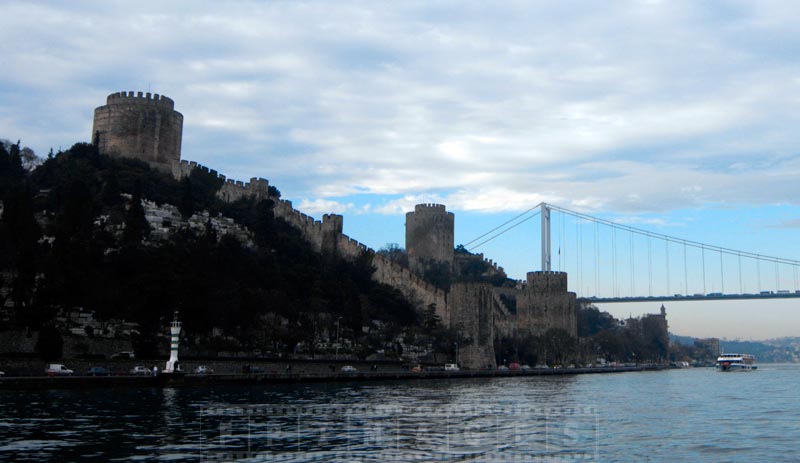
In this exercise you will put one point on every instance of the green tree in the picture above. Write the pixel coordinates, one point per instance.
(136, 226)
(559, 344)
(394, 253)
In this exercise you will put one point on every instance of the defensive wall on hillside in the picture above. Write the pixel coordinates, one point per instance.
(231, 190)
(146, 127)
(326, 235)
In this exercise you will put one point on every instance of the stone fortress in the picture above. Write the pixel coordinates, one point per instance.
(146, 127)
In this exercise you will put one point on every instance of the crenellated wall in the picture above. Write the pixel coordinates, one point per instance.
(414, 288)
(545, 303)
(327, 236)
(231, 190)
(460, 261)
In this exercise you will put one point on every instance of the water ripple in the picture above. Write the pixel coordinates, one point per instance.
(680, 415)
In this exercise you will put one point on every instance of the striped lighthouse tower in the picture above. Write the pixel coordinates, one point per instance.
(175, 332)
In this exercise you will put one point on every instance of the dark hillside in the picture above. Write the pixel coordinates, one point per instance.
(74, 235)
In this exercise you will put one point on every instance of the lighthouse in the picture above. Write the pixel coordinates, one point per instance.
(175, 333)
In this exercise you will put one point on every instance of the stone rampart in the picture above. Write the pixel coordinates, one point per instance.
(472, 307)
(505, 323)
(326, 235)
(545, 303)
(462, 260)
(231, 190)
(414, 288)
(310, 229)
(550, 282)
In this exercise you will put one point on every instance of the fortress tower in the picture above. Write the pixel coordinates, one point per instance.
(429, 236)
(545, 303)
(145, 127)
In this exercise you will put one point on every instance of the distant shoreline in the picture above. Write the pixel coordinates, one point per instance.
(198, 380)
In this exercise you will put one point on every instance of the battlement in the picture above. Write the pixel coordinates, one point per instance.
(142, 98)
(429, 207)
(231, 189)
(495, 267)
(139, 125)
(547, 282)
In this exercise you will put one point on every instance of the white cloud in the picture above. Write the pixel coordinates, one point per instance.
(323, 206)
(634, 107)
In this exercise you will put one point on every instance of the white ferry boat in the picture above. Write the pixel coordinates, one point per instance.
(736, 362)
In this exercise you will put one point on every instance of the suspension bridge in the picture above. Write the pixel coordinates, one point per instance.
(614, 262)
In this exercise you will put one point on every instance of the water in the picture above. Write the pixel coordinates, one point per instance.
(694, 415)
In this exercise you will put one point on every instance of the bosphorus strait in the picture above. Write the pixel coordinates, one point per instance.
(676, 415)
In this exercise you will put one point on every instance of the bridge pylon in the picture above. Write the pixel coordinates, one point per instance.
(546, 257)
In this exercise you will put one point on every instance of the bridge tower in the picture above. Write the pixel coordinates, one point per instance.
(546, 257)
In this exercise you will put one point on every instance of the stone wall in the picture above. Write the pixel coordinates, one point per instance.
(327, 236)
(462, 261)
(472, 315)
(141, 126)
(231, 190)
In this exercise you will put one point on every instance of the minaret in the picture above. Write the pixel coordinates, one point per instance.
(175, 332)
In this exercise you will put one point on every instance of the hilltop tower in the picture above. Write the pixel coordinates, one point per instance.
(429, 236)
(140, 126)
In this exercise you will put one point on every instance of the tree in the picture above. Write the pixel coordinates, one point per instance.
(438, 274)
(136, 226)
(559, 344)
(394, 253)
(19, 237)
(591, 321)
(186, 204)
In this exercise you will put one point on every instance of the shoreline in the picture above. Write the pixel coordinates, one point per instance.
(205, 380)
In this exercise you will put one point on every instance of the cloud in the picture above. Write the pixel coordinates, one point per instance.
(633, 107)
(322, 206)
(792, 223)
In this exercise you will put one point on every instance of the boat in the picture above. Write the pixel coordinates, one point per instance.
(736, 362)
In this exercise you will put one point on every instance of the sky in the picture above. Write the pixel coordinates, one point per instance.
(676, 117)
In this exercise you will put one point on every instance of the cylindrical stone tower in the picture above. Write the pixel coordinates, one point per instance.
(429, 236)
(141, 126)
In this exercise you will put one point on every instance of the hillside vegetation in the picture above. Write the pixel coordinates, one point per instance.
(74, 235)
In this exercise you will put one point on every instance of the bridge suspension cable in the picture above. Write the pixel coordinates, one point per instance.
(503, 225)
(672, 239)
(616, 252)
(503, 231)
